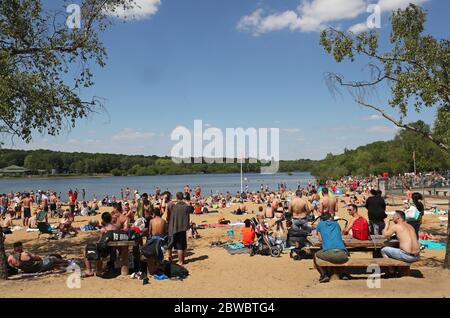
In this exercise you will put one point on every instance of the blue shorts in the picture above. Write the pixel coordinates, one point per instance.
(399, 254)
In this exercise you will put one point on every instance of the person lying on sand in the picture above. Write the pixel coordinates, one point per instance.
(30, 263)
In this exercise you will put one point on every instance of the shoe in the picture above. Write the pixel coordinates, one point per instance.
(324, 279)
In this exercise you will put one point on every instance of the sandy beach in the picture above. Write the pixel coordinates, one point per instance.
(215, 273)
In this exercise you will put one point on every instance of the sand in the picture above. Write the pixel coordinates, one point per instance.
(215, 273)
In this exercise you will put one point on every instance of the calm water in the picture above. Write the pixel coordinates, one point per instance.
(112, 185)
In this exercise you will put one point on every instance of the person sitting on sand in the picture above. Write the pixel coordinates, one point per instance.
(93, 225)
(248, 234)
(118, 218)
(333, 248)
(30, 263)
(8, 222)
(65, 227)
(409, 250)
(358, 227)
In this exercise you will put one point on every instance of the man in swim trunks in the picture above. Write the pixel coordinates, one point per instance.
(327, 204)
(26, 203)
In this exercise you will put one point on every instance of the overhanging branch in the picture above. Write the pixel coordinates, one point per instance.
(406, 126)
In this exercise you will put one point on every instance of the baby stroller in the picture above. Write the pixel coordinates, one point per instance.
(265, 244)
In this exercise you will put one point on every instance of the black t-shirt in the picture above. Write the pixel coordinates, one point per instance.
(376, 207)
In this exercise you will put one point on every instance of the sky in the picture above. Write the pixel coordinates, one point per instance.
(233, 63)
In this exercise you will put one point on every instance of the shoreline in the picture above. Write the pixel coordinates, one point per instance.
(111, 175)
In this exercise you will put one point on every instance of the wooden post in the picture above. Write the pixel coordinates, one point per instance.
(447, 251)
(123, 252)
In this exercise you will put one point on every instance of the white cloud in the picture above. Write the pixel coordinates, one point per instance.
(291, 130)
(310, 15)
(141, 9)
(359, 27)
(131, 134)
(373, 117)
(382, 129)
(315, 15)
(389, 5)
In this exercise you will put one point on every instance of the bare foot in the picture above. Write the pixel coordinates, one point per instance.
(181, 263)
(87, 274)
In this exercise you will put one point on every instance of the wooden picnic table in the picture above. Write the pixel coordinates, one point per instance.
(124, 249)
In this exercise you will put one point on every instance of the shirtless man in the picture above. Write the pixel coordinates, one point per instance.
(26, 203)
(30, 263)
(119, 219)
(327, 204)
(300, 209)
(53, 202)
(157, 230)
(409, 250)
(269, 211)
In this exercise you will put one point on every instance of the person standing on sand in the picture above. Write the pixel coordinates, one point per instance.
(26, 203)
(327, 204)
(178, 226)
(376, 209)
(299, 208)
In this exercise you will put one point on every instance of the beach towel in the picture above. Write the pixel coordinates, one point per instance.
(235, 246)
(242, 250)
(160, 276)
(432, 245)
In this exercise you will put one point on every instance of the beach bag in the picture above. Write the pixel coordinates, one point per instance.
(360, 229)
(412, 214)
(175, 271)
(153, 249)
(92, 252)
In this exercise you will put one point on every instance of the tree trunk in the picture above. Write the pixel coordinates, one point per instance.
(3, 268)
(447, 251)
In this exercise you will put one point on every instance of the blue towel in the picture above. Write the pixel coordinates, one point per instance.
(235, 246)
(160, 276)
(432, 245)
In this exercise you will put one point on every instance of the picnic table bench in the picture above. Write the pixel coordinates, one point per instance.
(430, 192)
(402, 267)
(124, 249)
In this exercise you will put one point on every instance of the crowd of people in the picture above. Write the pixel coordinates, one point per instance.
(159, 217)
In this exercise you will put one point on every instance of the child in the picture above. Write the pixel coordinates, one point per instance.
(248, 234)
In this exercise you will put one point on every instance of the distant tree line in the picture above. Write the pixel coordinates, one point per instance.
(393, 156)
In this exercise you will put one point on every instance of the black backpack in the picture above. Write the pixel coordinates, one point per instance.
(153, 248)
(175, 271)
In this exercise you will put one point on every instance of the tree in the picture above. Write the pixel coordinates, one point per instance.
(415, 70)
(37, 51)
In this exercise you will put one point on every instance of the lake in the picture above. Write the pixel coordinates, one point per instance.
(112, 185)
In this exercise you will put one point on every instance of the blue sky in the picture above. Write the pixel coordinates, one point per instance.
(232, 63)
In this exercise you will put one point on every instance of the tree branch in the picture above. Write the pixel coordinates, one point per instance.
(406, 126)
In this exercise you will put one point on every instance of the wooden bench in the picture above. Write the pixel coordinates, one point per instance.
(124, 249)
(402, 267)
